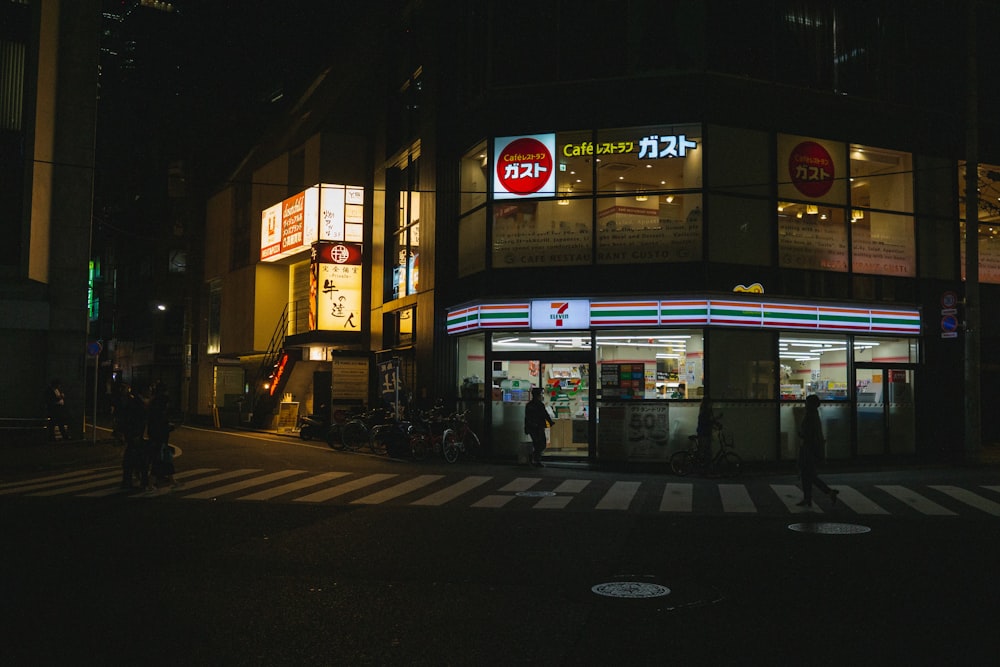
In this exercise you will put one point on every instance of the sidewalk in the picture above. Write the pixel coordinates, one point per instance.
(59, 454)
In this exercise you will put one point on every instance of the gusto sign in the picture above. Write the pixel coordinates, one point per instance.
(524, 167)
(811, 169)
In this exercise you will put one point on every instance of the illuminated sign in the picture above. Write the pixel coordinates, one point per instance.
(560, 314)
(322, 212)
(279, 370)
(335, 287)
(650, 147)
(811, 169)
(524, 167)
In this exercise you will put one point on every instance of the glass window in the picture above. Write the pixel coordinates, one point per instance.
(540, 342)
(471, 367)
(473, 177)
(812, 236)
(811, 170)
(405, 226)
(812, 364)
(638, 160)
(472, 243)
(664, 364)
(542, 233)
(989, 221)
(876, 349)
(883, 243)
(652, 228)
(739, 230)
(575, 163)
(881, 179)
(742, 365)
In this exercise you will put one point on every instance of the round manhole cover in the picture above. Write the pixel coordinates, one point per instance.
(630, 589)
(826, 528)
(535, 494)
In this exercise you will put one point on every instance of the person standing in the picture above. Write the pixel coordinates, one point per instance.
(132, 422)
(811, 442)
(706, 423)
(55, 410)
(536, 420)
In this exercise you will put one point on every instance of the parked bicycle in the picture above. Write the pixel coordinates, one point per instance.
(427, 432)
(342, 433)
(459, 439)
(725, 462)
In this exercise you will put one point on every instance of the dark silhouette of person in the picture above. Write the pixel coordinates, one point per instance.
(55, 410)
(158, 430)
(132, 422)
(706, 422)
(811, 443)
(536, 420)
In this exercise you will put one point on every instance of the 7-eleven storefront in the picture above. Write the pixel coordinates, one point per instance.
(625, 377)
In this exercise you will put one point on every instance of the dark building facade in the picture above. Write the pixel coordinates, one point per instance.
(48, 84)
(635, 206)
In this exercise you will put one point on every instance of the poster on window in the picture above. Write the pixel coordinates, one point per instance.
(336, 286)
(883, 244)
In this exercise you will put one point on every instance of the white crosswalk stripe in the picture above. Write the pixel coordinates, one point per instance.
(398, 490)
(915, 500)
(291, 487)
(346, 487)
(619, 497)
(970, 499)
(244, 484)
(677, 497)
(858, 502)
(748, 498)
(454, 491)
(736, 498)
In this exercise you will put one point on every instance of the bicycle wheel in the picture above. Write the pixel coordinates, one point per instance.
(420, 446)
(472, 448)
(682, 463)
(334, 437)
(730, 464)
(450, 448)
(354, 434)
(376, 440)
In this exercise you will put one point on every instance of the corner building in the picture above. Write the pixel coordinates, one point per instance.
(637, 206)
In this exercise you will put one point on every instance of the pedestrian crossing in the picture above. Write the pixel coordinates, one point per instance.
(758, 497)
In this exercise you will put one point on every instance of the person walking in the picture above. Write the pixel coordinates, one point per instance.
(811, 442)
(55, 410)
(536, 420)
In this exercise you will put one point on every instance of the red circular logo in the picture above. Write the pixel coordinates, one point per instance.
(811, 169)
(524, 166)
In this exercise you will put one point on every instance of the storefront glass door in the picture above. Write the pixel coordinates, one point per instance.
(884, 410)
(565, 382)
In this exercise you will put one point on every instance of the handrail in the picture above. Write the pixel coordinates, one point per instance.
(274, 349)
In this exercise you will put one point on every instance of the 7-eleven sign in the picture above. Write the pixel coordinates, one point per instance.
(560, 314)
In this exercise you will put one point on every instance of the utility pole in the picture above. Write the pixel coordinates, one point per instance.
(973, 423)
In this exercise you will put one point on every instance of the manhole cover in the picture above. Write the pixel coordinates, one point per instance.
(535, 494)
(630, 589)
(825, 528)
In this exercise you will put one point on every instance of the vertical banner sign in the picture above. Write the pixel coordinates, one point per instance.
(292, 223)
(335, 283)
(388, 380)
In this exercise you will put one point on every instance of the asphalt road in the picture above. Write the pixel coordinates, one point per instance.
(123, 580)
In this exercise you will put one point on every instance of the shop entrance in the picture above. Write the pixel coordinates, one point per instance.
(565, 380)
(884, 410)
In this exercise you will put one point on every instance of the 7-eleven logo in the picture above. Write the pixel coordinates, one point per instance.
(561, 314)
(560, 308)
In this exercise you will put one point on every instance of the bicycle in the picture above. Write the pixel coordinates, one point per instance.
(343, 432)
(725, 462)
(427, 432)
(458, 439)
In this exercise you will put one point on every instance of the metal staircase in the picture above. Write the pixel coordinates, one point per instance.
(264, 400)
